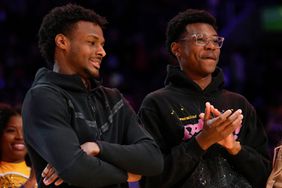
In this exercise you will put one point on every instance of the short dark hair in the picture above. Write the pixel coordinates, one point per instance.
(62, 20)
(176, 27)
(6, 112)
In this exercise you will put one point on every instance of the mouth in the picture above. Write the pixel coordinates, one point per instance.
(18, 146)
(209, 56)
(96, 62)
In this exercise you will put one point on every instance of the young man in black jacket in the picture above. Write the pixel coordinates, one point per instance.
(229, 151)
(87, 133)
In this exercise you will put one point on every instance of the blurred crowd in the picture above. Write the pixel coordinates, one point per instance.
(136, 56)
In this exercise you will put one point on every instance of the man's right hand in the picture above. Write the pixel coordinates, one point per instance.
(50, 175)
(218, 128)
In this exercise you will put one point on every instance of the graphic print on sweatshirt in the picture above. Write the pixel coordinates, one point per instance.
(190, 129)
(190, 121)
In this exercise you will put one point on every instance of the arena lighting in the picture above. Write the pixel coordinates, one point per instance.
(271, 19)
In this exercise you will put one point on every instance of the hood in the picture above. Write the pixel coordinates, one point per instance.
(176, 78)
(68, 82)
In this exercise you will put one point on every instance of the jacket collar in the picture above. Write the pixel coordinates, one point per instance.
(68, 82)
(176, 78)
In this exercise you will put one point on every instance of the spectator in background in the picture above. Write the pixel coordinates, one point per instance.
(229, 151)
(275, 178)
(274, 121)
(14, 172)
(68, 110)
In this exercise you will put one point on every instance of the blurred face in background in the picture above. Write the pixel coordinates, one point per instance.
(12, 144)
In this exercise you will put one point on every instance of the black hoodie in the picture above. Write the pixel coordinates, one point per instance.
(166, 111)
(60, 114)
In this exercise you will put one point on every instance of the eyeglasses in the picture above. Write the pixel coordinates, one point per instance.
(203, 40)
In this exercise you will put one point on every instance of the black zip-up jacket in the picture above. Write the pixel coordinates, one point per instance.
(60, 114)
(166, 112)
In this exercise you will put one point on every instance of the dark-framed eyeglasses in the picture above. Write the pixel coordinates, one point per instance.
(203, 40)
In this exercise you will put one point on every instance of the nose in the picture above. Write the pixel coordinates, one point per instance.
(19, 134)
(210, 45)
(101, 51)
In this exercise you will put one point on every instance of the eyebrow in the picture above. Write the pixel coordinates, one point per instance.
(96, 37)
(11, 126)
(206, 34)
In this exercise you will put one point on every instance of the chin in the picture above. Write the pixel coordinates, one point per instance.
(96, 76)
(21, 153)
(210, 69)
(92, 73)
(95, 73)
(18, 158)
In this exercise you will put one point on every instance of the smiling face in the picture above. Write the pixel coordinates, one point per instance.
(197, 61)
(82, 51)
(12, 144)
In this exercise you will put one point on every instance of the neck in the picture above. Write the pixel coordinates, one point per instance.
(65, 70)
(13, 161)
(203, 82)
(86, 83)
(59, 68)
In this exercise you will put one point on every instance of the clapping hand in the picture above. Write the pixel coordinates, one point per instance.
(219, 128)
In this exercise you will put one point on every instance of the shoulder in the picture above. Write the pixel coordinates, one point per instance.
(42, 91)
(155, 98)
(44, 97)
(158, 94)
(234, 95)
(109, 93)
(110, 96)
(237, 98)
(46, 91)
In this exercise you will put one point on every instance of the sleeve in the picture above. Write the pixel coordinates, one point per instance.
(253, 159)
(179, 159)
(48, 132)
(139, 154)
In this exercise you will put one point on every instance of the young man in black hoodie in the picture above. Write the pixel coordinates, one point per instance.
(88, 133)
(200, 153)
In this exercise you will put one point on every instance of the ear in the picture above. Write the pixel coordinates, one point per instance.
(61, 41)
(175, 49)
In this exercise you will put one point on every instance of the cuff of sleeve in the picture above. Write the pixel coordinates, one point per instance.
(193, 148)
(242, 155)
(100, 144)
